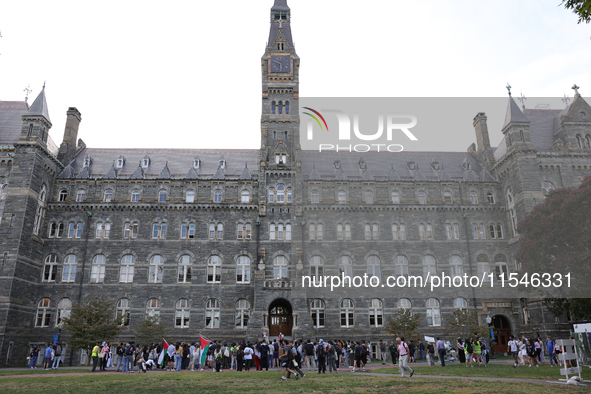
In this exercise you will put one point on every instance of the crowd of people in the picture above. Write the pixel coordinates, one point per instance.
(294, 356)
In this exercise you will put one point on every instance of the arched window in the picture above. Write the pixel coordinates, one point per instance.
(346, 266)
(490, 197)
(63, 196)
(433, 313)
(342, 197)
(280, 107)
(220, 231)
(181, 314)
(447, 197)
(40, 210)
(368, 197)
(460, 303)
(108, 196)
(288, 193)
(512, 214)
(429, 267)
(184, 272)
(98, 269)
(123, 312)
(162, 195)
(156, 269)
(579, 142)
(211, 231)
(242, 313)
(404, 303)
(317, 308)
(43, 313)
(280, 267)
(245, 196)
(190, 196)
(280, 194)
(401, 266)
(273, 108)
(288, 232)
(153, 307)
(376, 313)
(99, 230)
(214, 269)
(243, 270)
(588, 141)
(79, 230)
(127, 268)
(373, 266)
(272, 232)
(50, 268)
(395, 198)
(547, 187)
(135, 196)
(212, 313)
(280, 232)
(271, 195)
(286, 112)
(64, 308)
(501, 268)
(483, 267)
(473, 197)
(69, 271)
(422, 197)
(317, 267)
(81, 195)
(217, 196)
(314, 197)
(455, 266)
(316, 232)
(347, 313)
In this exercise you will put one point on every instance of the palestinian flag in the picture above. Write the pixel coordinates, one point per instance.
(163, 352)
(204, 349)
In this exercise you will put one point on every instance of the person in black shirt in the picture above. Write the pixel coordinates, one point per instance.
(412, 348)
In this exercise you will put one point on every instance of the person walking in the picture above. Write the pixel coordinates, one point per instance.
(332, 356)
(34, 356)
(421, 350)
(309, 351)
(264, 351)
(248, 352)
(403, 352)
(461, 353)
(441, 351)
(95, 356)
(431, 353)
(321, 353)
(551, 349)
(383, 353)
(58, 357)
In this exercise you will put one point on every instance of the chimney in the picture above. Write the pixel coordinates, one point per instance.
(482, 140)
(68, 146)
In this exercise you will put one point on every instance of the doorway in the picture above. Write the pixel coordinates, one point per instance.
(280, 318)
(502, 330)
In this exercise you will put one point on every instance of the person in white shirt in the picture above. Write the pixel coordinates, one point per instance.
(513, 348)
(248, 352)
(403, 353)
(170, 353)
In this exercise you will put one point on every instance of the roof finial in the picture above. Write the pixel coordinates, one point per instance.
(566, 99)
(43, 85)
(27, 91)
(522, 99)
(509, 88)
(576, 89)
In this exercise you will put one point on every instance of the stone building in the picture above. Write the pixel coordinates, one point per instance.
(216, 242)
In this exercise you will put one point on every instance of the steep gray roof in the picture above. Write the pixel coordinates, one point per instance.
(245, 173)
(385, 166)
(180, 162)
(39, 107)
(280, 5)
(514, 114)
(286, 27)
(138, 173)
(165, 173)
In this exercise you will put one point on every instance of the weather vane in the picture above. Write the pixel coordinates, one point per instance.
(576, 89)
(509, 89)
(566, 99)
(27, 91)
(522, 99)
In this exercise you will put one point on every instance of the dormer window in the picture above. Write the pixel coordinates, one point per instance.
(337, 164)
(196, 163)
(411, 165)
(120, 162)
(146, 162)
(280, 159)
(436, 166)
(87, 161)
(223, 163)
(362, 165)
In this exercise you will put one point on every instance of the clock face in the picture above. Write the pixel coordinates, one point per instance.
(280, 64)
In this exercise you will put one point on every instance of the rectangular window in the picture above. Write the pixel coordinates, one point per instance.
(213, 274)
(394, 232)
(499, 231)
(491, 230)
(163, 230)
(183, 231)
(347, 231)
(71, 230)
(402, 230)
(240, 231)
(287, 232)
(422, 231)
(212, 231)
(312, 231)
(135, 228)
(127, 230)
(375, 233)
(340, 232)
(220, 233)
(280, 232)
(367, 232)
(155, 231)
(448, 231)
(456, 231)
(107, 230)
(429, 231)
(79, 230)
(482, 231)
(320, 232)
(191, 231)
(475, 231)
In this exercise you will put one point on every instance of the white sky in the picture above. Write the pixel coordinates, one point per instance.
(186, 74)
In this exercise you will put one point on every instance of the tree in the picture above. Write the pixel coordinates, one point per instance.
(91, 322)
(574, 308)
(463, 323)
(582, 8)
(151, 330)
(555, 237)
(404, 324)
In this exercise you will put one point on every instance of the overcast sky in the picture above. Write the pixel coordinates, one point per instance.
(186, 74)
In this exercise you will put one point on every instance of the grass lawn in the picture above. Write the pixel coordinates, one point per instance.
(9, 372)
(492, 370)
(267, 382)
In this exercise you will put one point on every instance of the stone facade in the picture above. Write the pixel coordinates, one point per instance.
(251, 224)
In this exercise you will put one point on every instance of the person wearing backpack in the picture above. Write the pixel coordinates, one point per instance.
(364, 354)
(309, 351)
(469, 352)
(264, 350)
(338, 352)
(431, 353)
(403, 352)
(321, 353)
(332, 355)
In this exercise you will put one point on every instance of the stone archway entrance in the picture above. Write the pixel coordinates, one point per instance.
(502, 330)
(280, 318)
